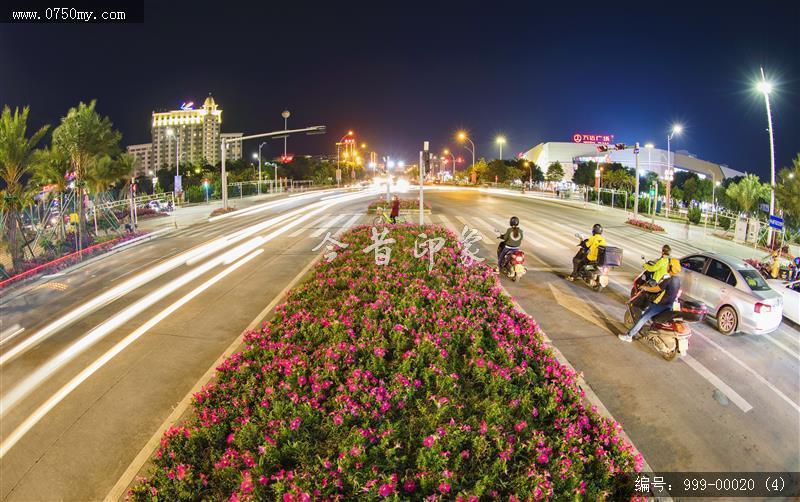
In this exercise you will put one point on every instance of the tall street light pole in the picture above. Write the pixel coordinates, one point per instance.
(676, 129)
(765, 88)
(453, 157)
(224, 144)
(500, 140)
(530, 174)
(636, 197)
(285, 114)
(462, 136)
(259, 165)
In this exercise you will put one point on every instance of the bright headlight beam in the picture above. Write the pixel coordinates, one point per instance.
(64, 391)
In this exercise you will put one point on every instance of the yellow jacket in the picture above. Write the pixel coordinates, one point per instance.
(659, 268)
(775, 268)
(593, 243)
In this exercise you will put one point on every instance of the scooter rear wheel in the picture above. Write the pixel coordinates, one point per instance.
(669, 356)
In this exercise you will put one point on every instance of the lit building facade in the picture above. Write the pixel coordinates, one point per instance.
(144, 154)
(571, 154)
(196, 131)
(233, 149)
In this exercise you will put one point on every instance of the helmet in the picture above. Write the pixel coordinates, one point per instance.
(666, 250)
(674, 266)
(597, 229)
(514, 221)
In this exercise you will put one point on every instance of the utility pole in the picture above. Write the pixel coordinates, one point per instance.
(636, 196)
(424, 158)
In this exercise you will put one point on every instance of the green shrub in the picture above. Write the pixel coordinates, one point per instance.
(694, 214)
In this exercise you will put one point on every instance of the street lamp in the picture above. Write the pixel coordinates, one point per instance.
(530, 174)
(764, 87)
(500, 140)
(285, 114)
(453, 157)
(259, 165)
(598, 173)
(714, 200)
(462, 137)
(676, 129)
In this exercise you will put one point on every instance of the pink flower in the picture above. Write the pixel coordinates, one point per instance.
(542, 458)
(444, 487)
(428, 441)
(180, 470)
(295, 423)
(464, 454)
(386, 489)
(520, 426)
(409, 486)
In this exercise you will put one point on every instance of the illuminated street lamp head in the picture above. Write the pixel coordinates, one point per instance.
(446, 151)
(500, 140)
(461, 136)
(255, 155)
(649, 145)
(363, 145)
(677, 129)
(401, 163)
(285, 114)
(764, 87)
(349, 133)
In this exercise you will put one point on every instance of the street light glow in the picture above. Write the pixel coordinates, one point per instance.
(649, 145)
(677, 129)
(461, 136)
(255, 155)
(401, 163)
(764, 87)
(500, 140)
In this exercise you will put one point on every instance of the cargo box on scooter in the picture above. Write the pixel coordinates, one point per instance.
(692, 311)
(612, 257)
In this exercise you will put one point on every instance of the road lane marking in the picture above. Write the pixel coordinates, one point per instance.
(752, 372)
(349, 223)
(327, 225)
(714, 380)
(10, 333)
(98, 363)
(304, 228)
(771, 339)
(447, 223)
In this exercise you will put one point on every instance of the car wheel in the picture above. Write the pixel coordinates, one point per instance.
(727, 320)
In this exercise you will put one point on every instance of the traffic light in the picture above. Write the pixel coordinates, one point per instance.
(602, 148)
(620, 146)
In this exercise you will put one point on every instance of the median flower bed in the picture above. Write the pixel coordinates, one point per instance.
(405, 204)
(645, 225)
(393, 382)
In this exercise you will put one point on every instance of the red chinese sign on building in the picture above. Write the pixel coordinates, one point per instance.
(594, 139)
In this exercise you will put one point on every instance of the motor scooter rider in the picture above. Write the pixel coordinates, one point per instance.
(668, 289)
(774, 265)
(511, 241)
(589, 250)
(658, 268)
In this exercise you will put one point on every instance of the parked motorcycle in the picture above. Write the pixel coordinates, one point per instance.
(513, 265)
(595, 274)
(668, 332)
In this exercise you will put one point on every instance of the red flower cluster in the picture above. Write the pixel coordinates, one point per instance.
(373, 382)
(645, 225)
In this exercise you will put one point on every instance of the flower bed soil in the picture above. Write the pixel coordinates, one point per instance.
(373, 382)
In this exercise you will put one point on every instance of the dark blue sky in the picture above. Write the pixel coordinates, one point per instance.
(401, 72)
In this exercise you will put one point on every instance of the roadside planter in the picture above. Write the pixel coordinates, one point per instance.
(407, 206)
(645, 225)
(393, 380)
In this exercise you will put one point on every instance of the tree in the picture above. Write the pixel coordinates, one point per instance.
(584, 174)
(480, 169)
(787, 191)
(16, 153)
(555, 173)
(748, 192)
(51, 167)
(619, 179)
(84, 136)
(105, 171)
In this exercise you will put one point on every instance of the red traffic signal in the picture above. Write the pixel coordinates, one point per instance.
(602, 148)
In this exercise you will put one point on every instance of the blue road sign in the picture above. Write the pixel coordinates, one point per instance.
(776, 222)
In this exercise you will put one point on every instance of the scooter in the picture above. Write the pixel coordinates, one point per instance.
(595, 274)
(668, 332)
(513, 265)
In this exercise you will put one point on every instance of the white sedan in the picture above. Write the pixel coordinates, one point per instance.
(790, 290)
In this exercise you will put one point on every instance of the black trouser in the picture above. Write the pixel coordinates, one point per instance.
(578, 262)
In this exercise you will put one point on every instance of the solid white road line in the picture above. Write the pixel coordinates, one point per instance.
(752, 372)
(98, 363)
(718, 383)
(771, 339)
(325, 226)
(449, 224)
(10, 333)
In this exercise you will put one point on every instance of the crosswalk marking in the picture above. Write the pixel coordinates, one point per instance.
(327, 225)
(448, 224)
(303, 229)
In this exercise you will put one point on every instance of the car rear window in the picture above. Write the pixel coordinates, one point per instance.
(754, 280)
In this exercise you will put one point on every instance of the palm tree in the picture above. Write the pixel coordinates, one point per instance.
(105, 171)
(84, 136)
(787, 191)
(51, 167)
(16, 151)
(748, 192)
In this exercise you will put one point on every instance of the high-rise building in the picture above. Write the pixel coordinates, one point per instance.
(196, 132)
(144, 154)
(233, 149)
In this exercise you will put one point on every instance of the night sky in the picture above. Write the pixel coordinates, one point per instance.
(399, 73)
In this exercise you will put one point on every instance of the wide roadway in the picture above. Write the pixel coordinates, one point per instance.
(733, 404)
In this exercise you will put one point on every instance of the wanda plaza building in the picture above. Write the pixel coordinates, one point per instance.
(584, 148)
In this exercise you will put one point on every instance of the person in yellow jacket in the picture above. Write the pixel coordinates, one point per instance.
(774, 265)
(589, 250)
(659, 267)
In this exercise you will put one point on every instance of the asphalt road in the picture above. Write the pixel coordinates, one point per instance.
(109, 349)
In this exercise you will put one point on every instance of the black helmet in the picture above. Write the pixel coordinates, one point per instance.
(666, 250)
(597, 229)
(514, 221)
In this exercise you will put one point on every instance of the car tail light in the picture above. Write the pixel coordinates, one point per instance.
(763, 308)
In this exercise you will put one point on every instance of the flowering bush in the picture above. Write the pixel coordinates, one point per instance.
(404, 204)
(221, 210)
(390, 381)
(142, 213)
(49, 264)
(645, 225)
